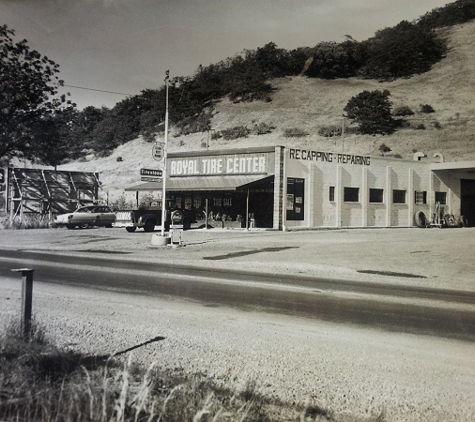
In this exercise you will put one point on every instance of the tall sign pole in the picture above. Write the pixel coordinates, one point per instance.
(165, 147)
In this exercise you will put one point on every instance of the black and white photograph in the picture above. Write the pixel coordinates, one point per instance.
(216, 210)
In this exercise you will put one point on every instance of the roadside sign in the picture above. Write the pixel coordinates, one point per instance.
(151, 172)
(158, 152)
(150, 179)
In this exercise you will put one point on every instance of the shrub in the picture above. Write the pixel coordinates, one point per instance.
(216, 135)
(119, 159)
(403, 111)
(28, 221)
(426, 108)
(330, 131)
(384, 149)
(262, 129)
(146, 201)
(121, 203)
(235, 133)
(295, 133)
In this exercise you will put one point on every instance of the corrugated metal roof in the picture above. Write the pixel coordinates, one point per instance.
(204, 183)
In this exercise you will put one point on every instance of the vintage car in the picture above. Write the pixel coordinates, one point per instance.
(86, 216)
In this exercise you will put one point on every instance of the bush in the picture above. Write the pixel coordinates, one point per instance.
(262, 129)
(403, 111)
(235, 133)
(426, 108)
(384, 149)
(330, 131)
(216, 135)
(121, 203)
(295, 133)
(28, 221)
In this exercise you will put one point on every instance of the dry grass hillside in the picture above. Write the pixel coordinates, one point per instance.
(308, 104)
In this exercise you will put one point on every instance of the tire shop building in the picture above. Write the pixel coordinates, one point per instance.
(288, 188)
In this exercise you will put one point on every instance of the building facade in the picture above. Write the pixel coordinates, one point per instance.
(290, 188)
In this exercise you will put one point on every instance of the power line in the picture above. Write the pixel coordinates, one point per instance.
(98, 90)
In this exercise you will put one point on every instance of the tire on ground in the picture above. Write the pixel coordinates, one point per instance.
(420, 219)
(131, 229)
(450, 220)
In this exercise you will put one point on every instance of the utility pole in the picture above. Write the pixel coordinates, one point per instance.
(165, 147)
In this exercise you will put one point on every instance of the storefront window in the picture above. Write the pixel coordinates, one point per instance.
(351, 194)
(376, 196)
(399, 196)
(420, 197)
(441, 198)
(295, 198)
(331, 194)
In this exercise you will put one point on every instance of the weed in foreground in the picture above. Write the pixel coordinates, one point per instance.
(28, 221)
(39, 382)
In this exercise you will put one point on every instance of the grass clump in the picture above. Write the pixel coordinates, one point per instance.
(28, 221)
(295, 132)
(40, 382)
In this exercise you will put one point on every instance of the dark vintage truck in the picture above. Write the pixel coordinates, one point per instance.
(147, 219)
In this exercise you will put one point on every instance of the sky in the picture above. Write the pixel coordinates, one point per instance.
(126, 46)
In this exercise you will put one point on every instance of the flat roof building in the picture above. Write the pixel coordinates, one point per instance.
(290, 188)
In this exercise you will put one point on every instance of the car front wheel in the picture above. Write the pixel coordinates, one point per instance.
(131, 229)
(70, 226)
(84, 225)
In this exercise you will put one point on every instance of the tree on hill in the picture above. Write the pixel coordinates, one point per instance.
(332, 60)
(455, 13)
(401, 51)
(371, 110)
(28, 97)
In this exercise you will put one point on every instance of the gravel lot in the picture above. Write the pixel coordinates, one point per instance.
(356, 372)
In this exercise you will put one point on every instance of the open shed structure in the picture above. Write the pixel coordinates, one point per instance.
(48, 192)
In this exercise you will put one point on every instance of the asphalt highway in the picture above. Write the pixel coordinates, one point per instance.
(414, 310)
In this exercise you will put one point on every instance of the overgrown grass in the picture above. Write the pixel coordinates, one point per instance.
(28, 221)
(40, 382)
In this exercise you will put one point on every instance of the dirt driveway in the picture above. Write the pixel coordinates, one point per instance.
(354, 372)
(438, 258)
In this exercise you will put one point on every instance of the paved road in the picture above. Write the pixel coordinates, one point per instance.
(442, 313)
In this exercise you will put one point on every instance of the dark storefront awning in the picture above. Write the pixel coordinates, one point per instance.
(205, 183)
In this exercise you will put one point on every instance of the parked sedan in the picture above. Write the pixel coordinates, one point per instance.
(88, 216)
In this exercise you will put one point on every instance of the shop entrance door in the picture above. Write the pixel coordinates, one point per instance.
(467, 206)
(261, 207)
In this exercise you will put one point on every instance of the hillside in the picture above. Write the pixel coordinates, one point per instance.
(308, 104)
